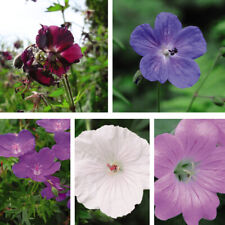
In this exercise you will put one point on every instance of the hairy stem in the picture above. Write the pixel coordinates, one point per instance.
(158, 96)
(195, 95)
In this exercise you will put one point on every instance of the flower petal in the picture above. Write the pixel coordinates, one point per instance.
(167, 26)
(183, 72)
(194, 135)
(142, 40)
(168, 152)
(198, 203)
(167, 197)
(154, 68)
(72, 54)
(190, 42)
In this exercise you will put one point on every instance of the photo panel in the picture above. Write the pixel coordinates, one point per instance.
(35, 171)
(168, 56)
(54, 56)
(112, 171)
(189, 171)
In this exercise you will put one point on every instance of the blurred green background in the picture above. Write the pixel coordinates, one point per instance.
(168, 126)
(140, 215)
(208, 15)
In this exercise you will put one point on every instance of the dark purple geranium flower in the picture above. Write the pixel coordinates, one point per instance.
(62, 147)
(15, 145)
(54, 125)
(7, 55)
(169, 50)
(58, 43)
(35, 70)
(36, 165)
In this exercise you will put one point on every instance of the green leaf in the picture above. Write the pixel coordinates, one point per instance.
(66, 3)
(57, 92)
(117, 94)
(55, 7)
(117, 42)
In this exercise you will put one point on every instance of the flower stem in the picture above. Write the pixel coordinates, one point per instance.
(68, 92)
(158, 96)
(195, 95)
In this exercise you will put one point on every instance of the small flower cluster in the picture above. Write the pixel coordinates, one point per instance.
(190, 167)
(53, 53)
(40, 166)
(4, 56)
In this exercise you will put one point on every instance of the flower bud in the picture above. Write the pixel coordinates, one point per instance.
(219, 101)
(138, 77)
(55, 191)
(18, 62)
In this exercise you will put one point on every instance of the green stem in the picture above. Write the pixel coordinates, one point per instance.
(195, 95)
(88, 124)
(158, 96)
(68, 94)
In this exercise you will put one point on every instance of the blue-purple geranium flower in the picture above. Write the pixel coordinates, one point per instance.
(36, 165)
(169, 50)
(54, 125)
(16, 145)
(62, 147)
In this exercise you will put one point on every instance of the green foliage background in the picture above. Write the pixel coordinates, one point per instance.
(140, 215)
(21, 202)
(208, 15)
(168, 126)
(88, 78)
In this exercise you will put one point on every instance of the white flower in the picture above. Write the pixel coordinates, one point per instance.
(112, 169)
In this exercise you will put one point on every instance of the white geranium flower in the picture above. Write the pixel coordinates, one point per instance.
(112, 169)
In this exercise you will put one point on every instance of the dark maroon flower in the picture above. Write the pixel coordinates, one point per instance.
(58, 43)
(35, 70)
(54, 125)
(18, 44)
(62, 147)
(36, 165)
(16, 145)
(7, 55)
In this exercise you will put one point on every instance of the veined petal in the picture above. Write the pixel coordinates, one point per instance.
(190, 42)
(167, 26)
(72, 54)
(198, 203)
(167, 197)
(183, 72)
(168, 152)
(154, 68)
(142, 40)
(194, 135)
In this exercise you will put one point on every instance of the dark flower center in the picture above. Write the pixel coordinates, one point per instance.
(173, 51)
(185, 170)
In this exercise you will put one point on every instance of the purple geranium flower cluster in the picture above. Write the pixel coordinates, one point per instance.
(190, 167)
(40, 166)
(169, 50)
(53, 53)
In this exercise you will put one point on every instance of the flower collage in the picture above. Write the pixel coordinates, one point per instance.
(112, 112)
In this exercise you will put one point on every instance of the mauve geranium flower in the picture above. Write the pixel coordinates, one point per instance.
(169, 50)
(111, 170)
(191, 171)
(35, 70)
(62, 147)
(58, 43)
(54, 125)
(36, 165)
(16, 145)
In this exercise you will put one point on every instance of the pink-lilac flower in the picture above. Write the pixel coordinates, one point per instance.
(16, 145)
(58, 43)
(169, 50)
(62, 147)
(111, 170)
(191, 171)
(36, 165)
(54, 125)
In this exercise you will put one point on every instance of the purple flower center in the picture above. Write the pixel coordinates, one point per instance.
(16, 148)
(58, 126)
(185, 170)
(37, 169)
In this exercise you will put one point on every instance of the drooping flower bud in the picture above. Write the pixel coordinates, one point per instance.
(18, 62)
